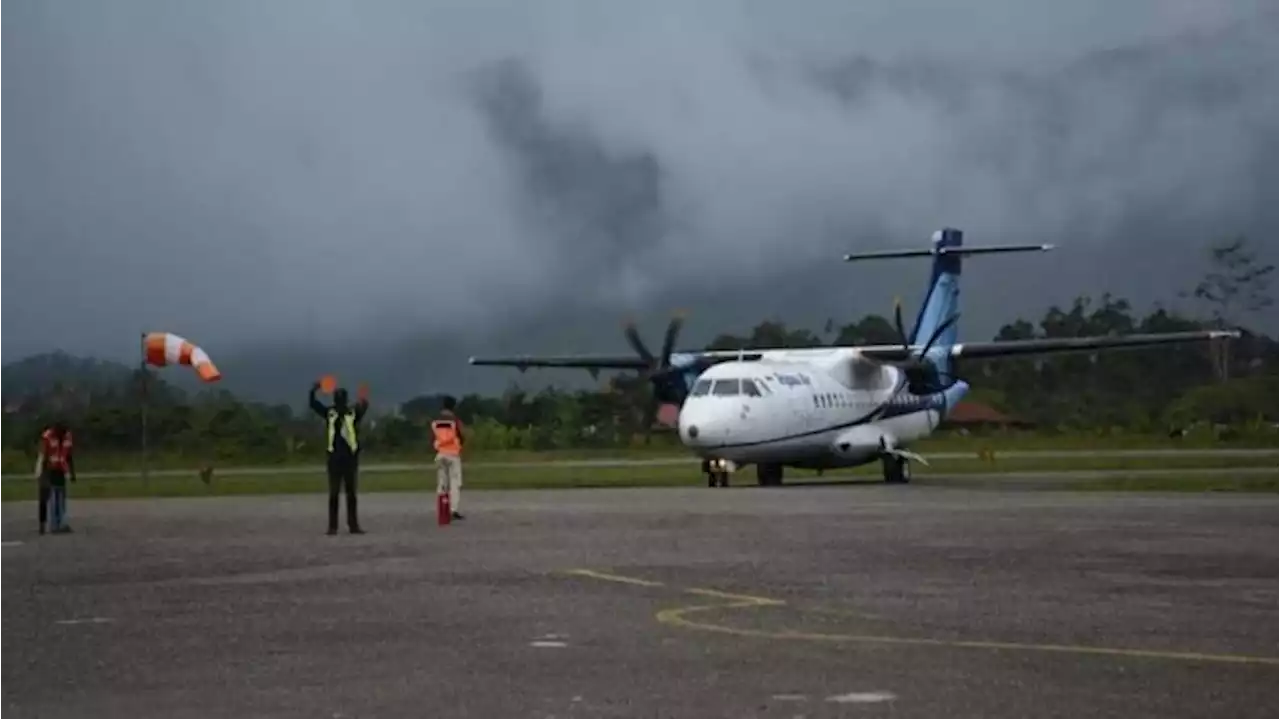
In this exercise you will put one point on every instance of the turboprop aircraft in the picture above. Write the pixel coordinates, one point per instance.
(830, 407)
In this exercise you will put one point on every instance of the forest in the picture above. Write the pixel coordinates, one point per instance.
(1145, 391)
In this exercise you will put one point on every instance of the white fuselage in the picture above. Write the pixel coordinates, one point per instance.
(809, 408)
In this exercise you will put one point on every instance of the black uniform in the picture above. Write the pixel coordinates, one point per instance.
(341, 421)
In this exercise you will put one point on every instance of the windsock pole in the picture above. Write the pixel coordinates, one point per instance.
(146, 474)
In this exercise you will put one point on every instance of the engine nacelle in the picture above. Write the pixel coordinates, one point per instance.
(861, 442)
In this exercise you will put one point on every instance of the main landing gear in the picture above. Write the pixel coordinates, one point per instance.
(769, 475)
(897, 470)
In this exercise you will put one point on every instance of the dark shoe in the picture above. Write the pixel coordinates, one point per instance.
(64, 529)
(458, 516)
(357, 530)
(331, 531)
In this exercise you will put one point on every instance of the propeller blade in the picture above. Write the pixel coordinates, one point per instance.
(897, 321)
(938, 333)
(637, 344)
(650, 418)
(669, 340)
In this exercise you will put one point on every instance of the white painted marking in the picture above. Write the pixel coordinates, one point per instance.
(863, 697)
(548, 645)
(87, 620)
(790, 697)
(14, 543)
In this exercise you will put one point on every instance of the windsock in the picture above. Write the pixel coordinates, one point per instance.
(164, 348)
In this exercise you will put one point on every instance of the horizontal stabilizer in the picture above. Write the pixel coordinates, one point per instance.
(949, 251)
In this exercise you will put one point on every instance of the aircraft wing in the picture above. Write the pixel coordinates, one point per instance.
(618, 362)
(564, 361)
(1057, 345)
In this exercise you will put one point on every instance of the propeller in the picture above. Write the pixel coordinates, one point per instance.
(916, 366)
(660, 372)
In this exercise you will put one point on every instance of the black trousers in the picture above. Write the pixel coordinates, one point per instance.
(45, 493)
(342, 475)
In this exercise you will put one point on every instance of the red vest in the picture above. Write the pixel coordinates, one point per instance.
(56, 451)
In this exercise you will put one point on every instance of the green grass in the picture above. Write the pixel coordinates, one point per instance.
(535, 476)
(14, 462)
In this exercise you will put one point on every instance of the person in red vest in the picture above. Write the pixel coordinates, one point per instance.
(53, 467)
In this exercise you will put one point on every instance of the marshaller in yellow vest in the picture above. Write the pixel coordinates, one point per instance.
(447, 429)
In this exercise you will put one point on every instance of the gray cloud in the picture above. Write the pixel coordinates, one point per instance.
(388, 186)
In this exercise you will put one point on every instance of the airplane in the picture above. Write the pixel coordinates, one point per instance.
(821, 408)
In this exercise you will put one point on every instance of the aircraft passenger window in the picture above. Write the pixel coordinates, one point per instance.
(700, 388)
(750, 389)
(725, 388)
(764, 388)
(815, 401)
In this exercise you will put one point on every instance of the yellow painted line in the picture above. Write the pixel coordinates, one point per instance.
(744, 599)
(678, 617)
(606, 577)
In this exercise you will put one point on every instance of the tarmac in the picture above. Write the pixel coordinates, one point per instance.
(822, 601)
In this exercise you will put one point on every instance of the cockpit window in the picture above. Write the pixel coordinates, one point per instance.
(700, 388)
(725, 388)
(749, 388)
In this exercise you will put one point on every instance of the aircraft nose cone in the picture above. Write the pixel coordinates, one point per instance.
(690, 425)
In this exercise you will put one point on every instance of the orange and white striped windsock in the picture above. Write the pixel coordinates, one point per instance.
(164, 348)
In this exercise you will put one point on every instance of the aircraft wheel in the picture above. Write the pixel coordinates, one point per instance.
(897, 470)
(769, 475)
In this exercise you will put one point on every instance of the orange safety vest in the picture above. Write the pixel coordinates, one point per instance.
(56, 451)
(446, 434)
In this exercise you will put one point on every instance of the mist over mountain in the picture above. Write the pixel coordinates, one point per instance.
(382, 190)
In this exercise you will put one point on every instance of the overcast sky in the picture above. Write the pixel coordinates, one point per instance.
(390, 185)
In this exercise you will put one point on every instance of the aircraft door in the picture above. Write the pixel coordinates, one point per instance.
(797, 400)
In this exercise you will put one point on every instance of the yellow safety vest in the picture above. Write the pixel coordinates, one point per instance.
(348, 429)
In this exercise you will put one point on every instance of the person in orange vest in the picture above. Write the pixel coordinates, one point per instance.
(447, 429)
(54, 466)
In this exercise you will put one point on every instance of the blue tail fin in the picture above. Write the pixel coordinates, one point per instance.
(941, 301)
(943, 298)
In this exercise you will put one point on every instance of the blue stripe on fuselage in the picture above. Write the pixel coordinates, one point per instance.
(900, 403)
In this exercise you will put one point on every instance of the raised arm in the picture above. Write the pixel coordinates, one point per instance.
(316, 407)
(362, 401)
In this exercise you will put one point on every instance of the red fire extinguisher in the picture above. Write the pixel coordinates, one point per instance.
(443, 512)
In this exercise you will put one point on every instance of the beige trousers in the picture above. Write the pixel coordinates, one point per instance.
(449, 478)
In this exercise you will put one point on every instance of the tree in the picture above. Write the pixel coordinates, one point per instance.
(1136, 389)
(1237, 284)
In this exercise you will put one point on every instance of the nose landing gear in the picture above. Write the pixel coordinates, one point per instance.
(717, 471)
